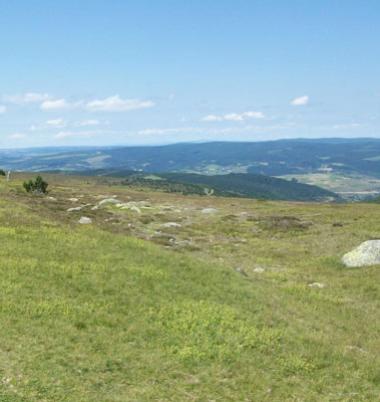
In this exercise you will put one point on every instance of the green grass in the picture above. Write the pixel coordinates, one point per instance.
(93, 314)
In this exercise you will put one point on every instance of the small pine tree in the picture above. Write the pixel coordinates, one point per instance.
(2, 172)
(37, 186)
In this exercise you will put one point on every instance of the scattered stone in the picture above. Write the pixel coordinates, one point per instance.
(259, 270)
(163, 239)
(171, 225)
(84, 220)
(74, 209)
(368, 253)
(112, 219)
(73, 199)
(209, 211)
(109, 201)
(134, 206)
(51, 198)
(317, 285)
(94, 208)
(135, 209)
(78, 208)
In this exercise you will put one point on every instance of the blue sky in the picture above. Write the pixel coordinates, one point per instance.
(151, 72)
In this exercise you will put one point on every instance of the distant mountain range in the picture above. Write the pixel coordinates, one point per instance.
(274, 158)
(350, 167)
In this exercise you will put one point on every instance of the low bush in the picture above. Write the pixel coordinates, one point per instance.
(37, 186)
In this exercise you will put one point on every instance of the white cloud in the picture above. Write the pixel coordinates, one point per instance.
(57, 123)
(55, 104)
(346, 126)
(117, 104)
(212, 118)
(215, 131)
(110, 104)
(17, 136)
(69, 134)
(253, 115)
(175, 130)
(234, 116)
(3, 109)
(29, 97)
(300, 101)
(88, 123)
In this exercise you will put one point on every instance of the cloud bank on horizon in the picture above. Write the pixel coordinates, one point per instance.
(105, 74)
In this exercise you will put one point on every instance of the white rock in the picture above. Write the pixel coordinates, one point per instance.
(51, 198)
(259, 270)
(209, 211)
(316, 285)
(368, 253)
(135, 209)
(84, 220)
(171, 225)
(73, 199)
(74, 209)
(109, 201)
(78, 208)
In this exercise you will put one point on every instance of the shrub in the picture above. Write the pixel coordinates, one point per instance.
(37, 186)
(2, 172)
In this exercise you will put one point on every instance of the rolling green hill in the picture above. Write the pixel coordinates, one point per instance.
(229, 185)
(220, 306)
(255, 186)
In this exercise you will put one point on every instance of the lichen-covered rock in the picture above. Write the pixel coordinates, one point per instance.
(368, 253)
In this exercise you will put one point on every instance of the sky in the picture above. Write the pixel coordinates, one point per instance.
(121, 72)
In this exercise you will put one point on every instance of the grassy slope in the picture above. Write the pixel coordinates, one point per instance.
(91, 315)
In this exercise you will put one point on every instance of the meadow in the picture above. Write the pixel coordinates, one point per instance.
(183, 298)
